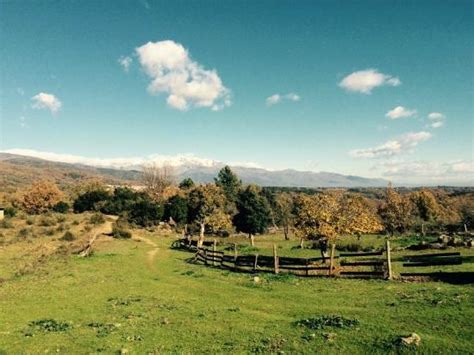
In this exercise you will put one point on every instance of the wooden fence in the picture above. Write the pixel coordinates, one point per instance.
(357, 265)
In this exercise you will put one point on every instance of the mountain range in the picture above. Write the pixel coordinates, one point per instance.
(24, 169)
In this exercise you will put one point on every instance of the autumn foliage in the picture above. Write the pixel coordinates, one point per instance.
(41, 197)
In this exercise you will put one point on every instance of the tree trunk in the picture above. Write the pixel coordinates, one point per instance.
(201, 235)
(285, 231)
(252, 240)
(301, 243)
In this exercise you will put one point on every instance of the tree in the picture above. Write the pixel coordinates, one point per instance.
(122, 201)
(156, 179)
(41, 197)
(229, 182)
(284, 212)
(426, 206)
(207, 208)
(396, 212)
(186, 184)
(326, 216)
(176, 208)
(253, 212)
(145, 213)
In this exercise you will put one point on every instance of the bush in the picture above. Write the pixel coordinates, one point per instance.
(6, 224)
(177, 209)
(10, 212)
(91, 201)
(23, 233)
(120, 231)
(122, 201)
(97, 218)
(61, 228)
(145, 213)
(61, 207)
(40, 197)
(30, 221)
(46, 222)
(68, 237)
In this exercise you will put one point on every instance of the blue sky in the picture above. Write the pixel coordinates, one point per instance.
(64, 91)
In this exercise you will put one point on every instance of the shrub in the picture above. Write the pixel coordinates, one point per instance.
(122, 201)
(61, 228)
(23, 233)
(6, 224)
(10, 212)
(46, 222)
(91, 201)
(40, 197)
(61, 219)
(97, 218)
(145, 213)
(177, 209)
(61, 207)
(30, 221)
(68, 237)
(49, 232)
(120, 231)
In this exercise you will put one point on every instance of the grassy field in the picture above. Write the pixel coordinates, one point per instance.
(139, 296)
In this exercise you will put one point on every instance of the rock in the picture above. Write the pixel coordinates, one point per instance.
(413, 339)
(470, 243)
(256, 279)
(437, 246)
(123, 351)
(330, 337)
(455, 241)
(443, 238)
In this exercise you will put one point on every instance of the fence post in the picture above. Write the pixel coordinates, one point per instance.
(235, 256)
(465, 228)
(331, 260)
(275, 259)
(389, 262)
(205, 256)
(214, 249)
(255, 263)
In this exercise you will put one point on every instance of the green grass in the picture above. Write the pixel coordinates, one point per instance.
(123, 298)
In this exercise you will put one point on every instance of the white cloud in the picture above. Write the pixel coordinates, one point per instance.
(460, 171)
(436, 119)
(277, 98)
(393, 147)
(186, 82)
(364, 81)
(125, 62)
(400, 112)
(46, 101)
(124, 163)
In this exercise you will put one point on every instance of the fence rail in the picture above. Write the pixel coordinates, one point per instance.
(376, 264)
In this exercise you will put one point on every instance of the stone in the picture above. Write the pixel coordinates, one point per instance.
(443, 238)
(330, 337)
(256, 279)
(412, 339)
(437, 246)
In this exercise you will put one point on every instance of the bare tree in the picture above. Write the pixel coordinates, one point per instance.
(157, 178)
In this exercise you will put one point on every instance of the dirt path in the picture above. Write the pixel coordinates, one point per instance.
(151, 254)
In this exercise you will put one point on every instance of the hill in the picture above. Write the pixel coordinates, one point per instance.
(17, 170)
